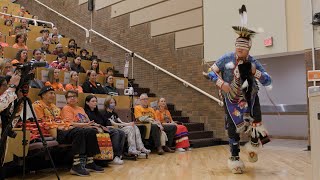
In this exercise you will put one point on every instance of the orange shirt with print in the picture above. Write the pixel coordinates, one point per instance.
(141, 111)
(74, 114)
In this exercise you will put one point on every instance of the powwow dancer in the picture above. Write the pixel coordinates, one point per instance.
(239, 72)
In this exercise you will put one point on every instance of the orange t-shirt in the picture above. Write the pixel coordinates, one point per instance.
(164, 116)
(56, 86)
(20, 47)
(75, 88)
(141, 111)
(74, 114)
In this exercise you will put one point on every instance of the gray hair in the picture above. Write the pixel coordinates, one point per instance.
(143, 94)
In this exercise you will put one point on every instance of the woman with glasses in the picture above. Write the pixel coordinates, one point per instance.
(91, 85)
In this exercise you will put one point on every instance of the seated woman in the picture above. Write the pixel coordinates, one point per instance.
(60, 63)
(164, 116)
(21, 57)
(74, 83)
(109, 88)
(76, 65)
(53, 80)
(117, 136)
(91, 85)
(20, 42)
(95, 67)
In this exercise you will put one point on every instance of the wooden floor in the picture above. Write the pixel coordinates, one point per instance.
(280, 159)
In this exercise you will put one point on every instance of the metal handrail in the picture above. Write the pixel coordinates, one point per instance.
(159, 68)
(85, 29)
(34, 20)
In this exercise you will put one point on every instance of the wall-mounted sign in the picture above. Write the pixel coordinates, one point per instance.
(268, 42)
(314, 75)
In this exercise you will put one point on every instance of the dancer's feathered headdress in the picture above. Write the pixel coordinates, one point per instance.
(245, 34)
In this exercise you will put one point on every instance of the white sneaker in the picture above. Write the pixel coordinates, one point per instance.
(180, 150)
(117, 161)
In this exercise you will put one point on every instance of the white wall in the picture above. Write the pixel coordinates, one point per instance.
(289, 80)
(220, 16)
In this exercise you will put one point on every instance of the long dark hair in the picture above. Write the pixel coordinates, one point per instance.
(18, 55)
(87, 108)
(97, 70)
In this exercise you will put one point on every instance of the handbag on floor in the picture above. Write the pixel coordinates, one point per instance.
(105, 146)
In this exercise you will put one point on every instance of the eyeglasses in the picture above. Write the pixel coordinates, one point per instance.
(144, 99)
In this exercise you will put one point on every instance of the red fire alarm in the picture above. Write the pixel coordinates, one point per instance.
(268, 42)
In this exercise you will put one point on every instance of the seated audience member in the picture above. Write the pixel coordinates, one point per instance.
(109, 72)
(74, 83)
(6, 67)
(71, 52)
(135, 143)
(117, 135)
(83, 140)
(4, 10)
(8, 22)
(35, 23)
(76, 65)
(45, 48)
(164, 116)
(143, 113)
(91, 85)
(24, 25)
(55, 32)
(58, 50)
(21, 57)
(2, 43)
(20, 42)
(95, 67)
(17, 30)
(53, 80)
(84, 54)
(55, 39)
(73, 43)
(109, 88)
(44, 37)
(60, 63)
(37, 57)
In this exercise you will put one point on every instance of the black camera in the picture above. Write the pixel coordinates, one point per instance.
(26, 74)
(316, 19)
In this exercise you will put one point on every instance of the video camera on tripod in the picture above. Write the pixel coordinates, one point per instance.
(26, 74)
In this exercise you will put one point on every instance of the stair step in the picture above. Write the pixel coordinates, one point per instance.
(200, 134)
(205, 142)
(194, 126)
(175, 113)
(170, 107)
(181, 119)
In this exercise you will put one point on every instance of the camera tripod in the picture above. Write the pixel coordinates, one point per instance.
(25, 100)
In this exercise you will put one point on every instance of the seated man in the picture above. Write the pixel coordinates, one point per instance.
(83, 140)
(143, 113)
